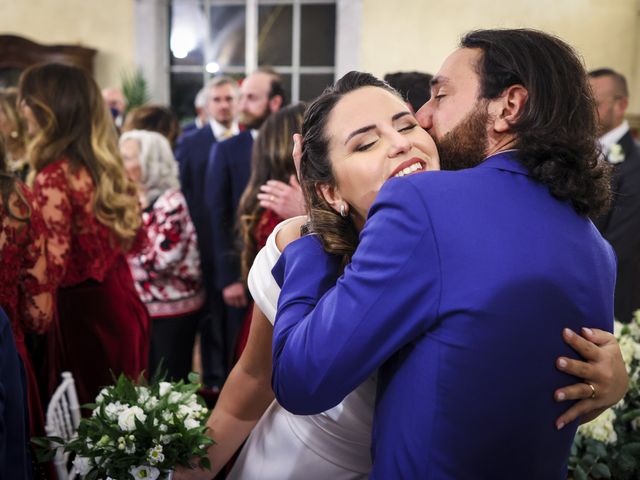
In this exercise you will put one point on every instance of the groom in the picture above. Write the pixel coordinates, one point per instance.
(463, 280)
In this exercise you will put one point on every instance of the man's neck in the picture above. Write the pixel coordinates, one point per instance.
(505, 142)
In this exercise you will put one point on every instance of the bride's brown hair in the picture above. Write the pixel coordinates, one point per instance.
(337, 234)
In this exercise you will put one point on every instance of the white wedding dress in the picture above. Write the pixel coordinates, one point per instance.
(331, 445)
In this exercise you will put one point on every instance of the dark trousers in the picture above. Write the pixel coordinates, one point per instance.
(172, 340)
(212, 344)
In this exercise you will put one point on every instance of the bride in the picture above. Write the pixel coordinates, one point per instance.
(335, 444)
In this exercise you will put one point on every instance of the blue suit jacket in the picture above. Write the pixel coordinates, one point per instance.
(457, 293)
(15, 456)
(192, 153)
(227, 176)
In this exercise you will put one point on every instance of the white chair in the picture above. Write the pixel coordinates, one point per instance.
(63, 418)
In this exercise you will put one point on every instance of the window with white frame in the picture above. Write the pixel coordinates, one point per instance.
(297, 38)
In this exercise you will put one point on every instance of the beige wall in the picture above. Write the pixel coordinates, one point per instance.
(419, 34)
(105, 25)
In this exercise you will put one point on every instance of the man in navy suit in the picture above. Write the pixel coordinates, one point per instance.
(621, 226)
(192, 153)
(15, 456)
(463, 280)
(228, 171)
(199, 105)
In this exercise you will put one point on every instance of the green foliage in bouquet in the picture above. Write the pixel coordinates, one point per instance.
(609, 446)
(140, 431)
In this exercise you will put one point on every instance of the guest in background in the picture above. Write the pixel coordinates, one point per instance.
(14, 131)
(199, 104)
(166, 271)
(270, 160)
(15, 454)
(25, 292)
(155, 118)
(621, 225)
(415, 87)
(227, 175)
(93, 219)
(192, 154)
(116, 103)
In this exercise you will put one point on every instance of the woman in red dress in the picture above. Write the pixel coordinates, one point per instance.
(93, 219)
(25, 292)
(270, 160)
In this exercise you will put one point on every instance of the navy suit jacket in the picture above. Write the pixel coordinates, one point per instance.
(621, 227)
(227, 176)
(457, 294)
(15, 456)
(192, 153)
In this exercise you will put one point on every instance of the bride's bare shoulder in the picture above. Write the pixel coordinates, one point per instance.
(290, 232)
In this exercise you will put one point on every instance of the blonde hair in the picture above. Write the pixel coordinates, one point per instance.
(75, 123)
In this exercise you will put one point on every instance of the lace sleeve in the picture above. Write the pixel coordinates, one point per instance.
(36, 292)
(52, 196)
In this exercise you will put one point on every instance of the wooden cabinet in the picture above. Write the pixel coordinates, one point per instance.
(18, 53)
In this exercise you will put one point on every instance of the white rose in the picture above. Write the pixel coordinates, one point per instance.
(184, 411)
(601, 428)
(143, 394)
(126, 419)
(164, 388)
(112, 410)
(152, 403)
(102, 394)
(144, 473)
(82, 465)
(190, 423)
(175, 397)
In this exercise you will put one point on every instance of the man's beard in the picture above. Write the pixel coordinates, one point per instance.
(465, 146)
(253, 122)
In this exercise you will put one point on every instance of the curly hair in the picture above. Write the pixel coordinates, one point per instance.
(74, 123)
(557, 131)
(337, 234)
(270, 160)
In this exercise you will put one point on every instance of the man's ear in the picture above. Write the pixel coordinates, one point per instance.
(275, 103)
(331, 195)
(506, 109)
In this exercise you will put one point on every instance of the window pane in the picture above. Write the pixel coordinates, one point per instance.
(188, 27)
(184, 88)
(312, 85)
(317, 35)
(226, 35)
(275, 30)
(286, 84)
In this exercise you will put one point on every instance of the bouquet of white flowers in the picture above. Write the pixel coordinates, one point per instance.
(140, 431)
(609, 446)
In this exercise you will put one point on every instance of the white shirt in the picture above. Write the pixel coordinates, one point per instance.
(219, 129)
(612, 137)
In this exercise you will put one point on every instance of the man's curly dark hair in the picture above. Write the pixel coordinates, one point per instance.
(557, 131)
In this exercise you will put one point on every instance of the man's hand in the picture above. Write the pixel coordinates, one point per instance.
(603, 369)
(234, 295)
(286, 200)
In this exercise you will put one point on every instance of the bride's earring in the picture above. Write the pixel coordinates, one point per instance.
(343, 210)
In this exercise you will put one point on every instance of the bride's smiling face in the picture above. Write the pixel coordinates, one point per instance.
(373, 137)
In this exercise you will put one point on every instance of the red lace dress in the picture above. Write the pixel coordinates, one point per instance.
(101, 325)
(268, 221)
(25, 291)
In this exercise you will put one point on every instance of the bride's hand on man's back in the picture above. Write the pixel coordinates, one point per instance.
(603, 371)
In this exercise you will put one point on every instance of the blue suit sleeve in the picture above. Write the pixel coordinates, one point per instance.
(324, 348)
(222, 216)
